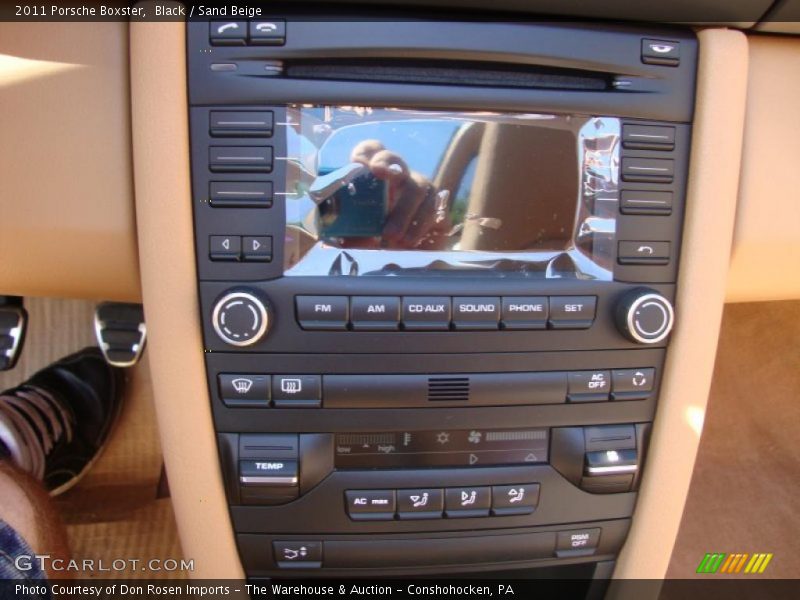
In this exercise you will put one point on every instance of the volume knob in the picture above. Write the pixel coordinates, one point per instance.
(644, 316)
(240, 318)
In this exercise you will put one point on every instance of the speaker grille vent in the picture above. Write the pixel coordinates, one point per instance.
(448, 388)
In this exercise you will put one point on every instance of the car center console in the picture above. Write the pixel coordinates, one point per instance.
(437, 266)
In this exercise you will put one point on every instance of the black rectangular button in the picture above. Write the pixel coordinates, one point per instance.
(322, 312)
(589, 386)
(648, 137)
(468, 501)
(297, 391)
(224, 247)
(240, 194)
(636, 202)
(227, 33)
(376, 313)
(6, 342)
(473, 312)
(243, 390)
(240, 123)
(572, 312)
(653, 170)
(661, 52)
(577, 542)
(426, 313)
(643, 253)
(632, 384)
(370, 505)
(420, 504)
(525, 312)
(269, 445)
(520, 499)
(240, 159)
(270, 32)
(297, 554)
(257, 248)
(268, 471)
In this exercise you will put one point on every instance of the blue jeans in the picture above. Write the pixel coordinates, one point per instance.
(12, 546)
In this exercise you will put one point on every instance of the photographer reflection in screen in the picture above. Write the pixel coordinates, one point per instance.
(377, 201)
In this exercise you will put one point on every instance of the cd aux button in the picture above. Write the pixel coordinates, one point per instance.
(525, 312)
(426, 313)
(376, 313)
(322, 312)
(476, 312)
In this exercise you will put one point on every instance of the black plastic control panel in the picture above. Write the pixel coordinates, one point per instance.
(390, 360)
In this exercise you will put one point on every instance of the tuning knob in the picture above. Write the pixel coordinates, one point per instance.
(644, 316)
(240, 318)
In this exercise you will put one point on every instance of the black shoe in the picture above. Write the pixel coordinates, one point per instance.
(68, 411)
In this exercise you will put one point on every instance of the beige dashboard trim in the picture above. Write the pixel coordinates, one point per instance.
(766, 243)
(708, 231)
(166, 250)
(67, 224)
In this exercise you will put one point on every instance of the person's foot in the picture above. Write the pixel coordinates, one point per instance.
(55, 424)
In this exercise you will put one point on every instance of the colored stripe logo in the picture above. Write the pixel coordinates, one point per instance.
(720, 562)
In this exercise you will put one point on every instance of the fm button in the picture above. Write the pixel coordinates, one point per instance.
(322, 312)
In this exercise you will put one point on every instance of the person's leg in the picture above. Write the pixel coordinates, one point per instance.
(52, 428)
(29, 525)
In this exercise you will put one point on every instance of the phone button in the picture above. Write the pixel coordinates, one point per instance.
(228, 33)
(268, 32)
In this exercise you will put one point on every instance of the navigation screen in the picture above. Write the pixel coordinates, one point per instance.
(448, 448)
(386, 191)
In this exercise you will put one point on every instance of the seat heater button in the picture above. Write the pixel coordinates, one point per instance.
(426, 313)
(370, 505)
(476, 312)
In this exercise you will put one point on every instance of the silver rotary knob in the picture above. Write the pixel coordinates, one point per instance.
(644, 316)
(240, 318)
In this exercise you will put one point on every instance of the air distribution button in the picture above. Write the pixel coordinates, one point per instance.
(240, 318)
(645, 316)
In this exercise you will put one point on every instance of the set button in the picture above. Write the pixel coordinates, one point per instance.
(434, 503)
(443, 313)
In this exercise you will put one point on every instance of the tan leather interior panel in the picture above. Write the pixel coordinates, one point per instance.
(67, 225)
(711, 202)
(766, 244)
(748, 451)
(175, 347)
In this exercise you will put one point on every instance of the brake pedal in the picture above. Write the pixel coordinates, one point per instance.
(13, 326)
(121, 332)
